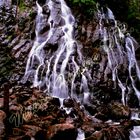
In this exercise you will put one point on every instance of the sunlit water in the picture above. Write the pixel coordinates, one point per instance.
(56, 71)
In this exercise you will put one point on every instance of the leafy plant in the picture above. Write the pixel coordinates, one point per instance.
(84, 1)
(87, 7)
(22, 6)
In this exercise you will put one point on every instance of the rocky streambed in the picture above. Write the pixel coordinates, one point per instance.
(34, 115)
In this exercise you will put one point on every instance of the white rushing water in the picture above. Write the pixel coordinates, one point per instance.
(81, 135)
(1, 2)
(135, 133)
(115, 49)
(5, 3)
(56, 76)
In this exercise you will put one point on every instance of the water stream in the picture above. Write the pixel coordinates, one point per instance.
(56, 75)
(56, 71)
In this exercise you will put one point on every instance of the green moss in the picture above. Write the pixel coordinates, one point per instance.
(22, 5)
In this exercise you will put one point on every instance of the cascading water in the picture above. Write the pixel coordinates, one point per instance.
(1, 2)
(135, 133)
(5, 3)
(120, 51)
(56, 71)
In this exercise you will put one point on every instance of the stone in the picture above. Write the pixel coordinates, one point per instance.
(27, 116)
(16, 51)
(62, 131)
(2, 117)
(1, 102)
(119, 111)
(41, 135)
(41, 2)
(18, 132)
(23, 97)
(103, 113)
(68, 103)
(31, 130)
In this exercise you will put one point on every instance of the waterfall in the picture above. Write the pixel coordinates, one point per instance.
(2, 2)
(56, 70)
(135, 133)
(56, 64)
(5, 3)
(120, 51)
(60, 23)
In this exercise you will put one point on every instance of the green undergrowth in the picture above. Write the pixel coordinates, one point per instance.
(86, 7)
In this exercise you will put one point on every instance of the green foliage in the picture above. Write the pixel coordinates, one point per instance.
(133, 11)
(133, 18)
(22, 5)
(87, 2)
(87, 7)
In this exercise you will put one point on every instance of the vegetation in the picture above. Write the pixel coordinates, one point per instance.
(87, 7)
(87, 2)
(133, 18)
(22, 6)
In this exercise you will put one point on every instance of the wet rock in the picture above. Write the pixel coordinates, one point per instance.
(103, 113)
(23, 97)
(15, 107)
(45, 107)
(114, 111)
(56, 38)
(119, 111)
(31, 130)
(27, 116)
(18, 132)
(68, 103)
(26, 137)
(41, 135)
(92, 109)
(113, 132)
(62, 131)
(132, 101)
(15, 138)
(41, 2)
(88, 129)
(2, 117)
(1, 102)
(55, 101)
(20, 47)
(95, 136)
